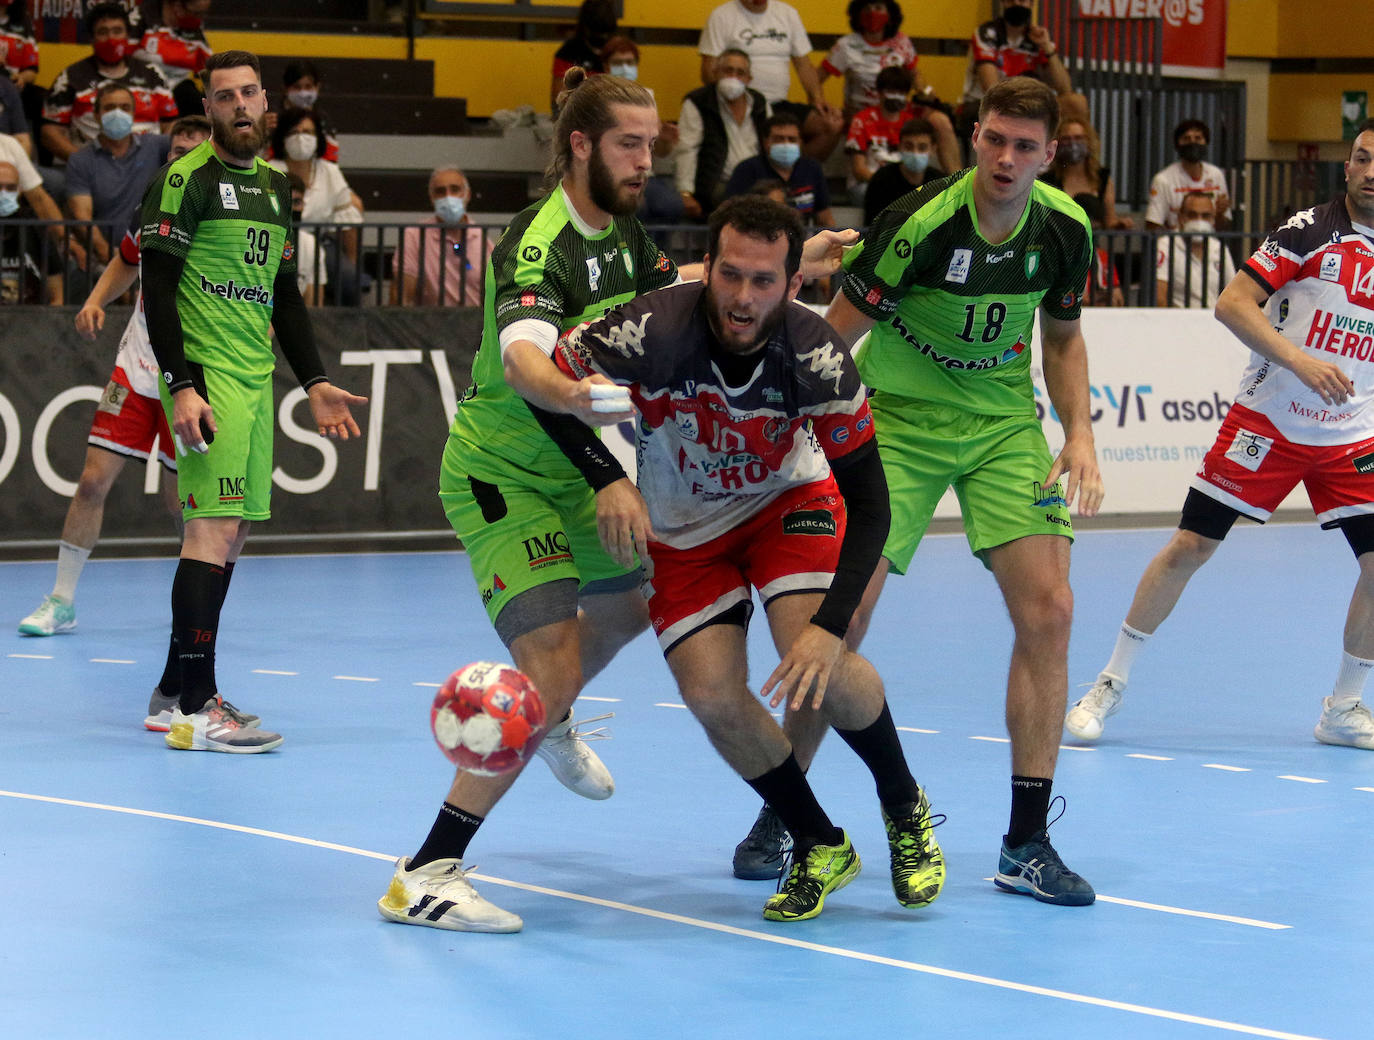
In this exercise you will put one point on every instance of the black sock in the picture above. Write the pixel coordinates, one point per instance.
(223, 595)
(786, 790)
(449, 837)
(197, 591)
(880, 749)
(1030, 807)
(170, 683)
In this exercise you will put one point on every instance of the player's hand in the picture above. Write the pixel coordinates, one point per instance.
(1077, 463)
(805, 669)
(1324, 379)
(329, 408)
(823, 251)
(622, 520)
(90, 319)
(597, 401)
(193, 420)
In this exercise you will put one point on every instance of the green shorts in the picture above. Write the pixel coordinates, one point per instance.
(522, 530)
(994, 463)
(234, 476)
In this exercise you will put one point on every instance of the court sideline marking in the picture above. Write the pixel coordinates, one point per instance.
(711, 926)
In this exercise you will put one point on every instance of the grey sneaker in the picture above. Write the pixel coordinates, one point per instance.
(1086, 718)
(53, 617)
(573, 763)
(1348, 726)
(160, 708)
(217, 727)
(760, 856)
(439, 895)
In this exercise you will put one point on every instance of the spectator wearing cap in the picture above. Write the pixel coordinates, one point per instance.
(443, 265)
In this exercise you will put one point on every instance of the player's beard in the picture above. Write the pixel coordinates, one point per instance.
(607, 195)
(240, 146)
(763, 328)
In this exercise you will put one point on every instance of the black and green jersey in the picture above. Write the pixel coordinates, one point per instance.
(232, 227)
(549, 266)
(954, 312)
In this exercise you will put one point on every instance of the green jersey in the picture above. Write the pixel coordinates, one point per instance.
(232, 227)
(549, 267)
(954, 312)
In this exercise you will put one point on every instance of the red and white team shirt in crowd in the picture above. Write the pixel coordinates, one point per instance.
(18, 48)
(711, 455)
(180, 53)
(860, 62)
(71, 102)
(871, 132)
(990, 44)
(1320, 269)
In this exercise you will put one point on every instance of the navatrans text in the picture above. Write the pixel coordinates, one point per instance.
(244, 293)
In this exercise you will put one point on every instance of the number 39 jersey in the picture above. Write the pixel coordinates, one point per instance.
(954, 312)
(232, 226)
(1320, 269)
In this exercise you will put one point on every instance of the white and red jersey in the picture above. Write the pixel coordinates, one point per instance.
(18, 48)
(859, 62)
(71, 101)
(1319, 268)
(135, 350)
(180, 53)
(710, 454)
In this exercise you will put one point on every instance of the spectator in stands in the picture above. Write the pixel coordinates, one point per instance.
(1013, 45)
(1192, 268)
(69, 113)
(1078, 170)
(596, 24)
(30, 268)
(914, 167)
(444, 266)
(38, 199)
(660, 203)
(782, 160)
(171, 36)
(106, 178)
(1190, 175)
(720, 126)
(12, 119)
(301, 82)
(18, 47)
(297, 144)
(311, 276)
(875, 133)
(770, 33)
(1103, 288)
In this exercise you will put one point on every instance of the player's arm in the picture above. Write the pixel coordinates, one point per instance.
(117, 279)
(1065, 364)
(329, 404)
(846, 319)
(193, 420)
(1240, 309)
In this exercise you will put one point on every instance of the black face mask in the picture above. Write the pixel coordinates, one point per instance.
(1192, 152)
(296, 216)
(1017, 17)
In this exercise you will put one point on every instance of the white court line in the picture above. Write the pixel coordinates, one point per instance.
(993, 740)
(357, 678)
(272, 671)
(914, 729)
(430, 685)
(665, 705)
(1228, 769)
(1248, 921)
(602, 700)
(32, 657)
(713, 926)
(1303, 779)
(1365, 789)
(110, 660)
(1075, 747)
(1152, 758)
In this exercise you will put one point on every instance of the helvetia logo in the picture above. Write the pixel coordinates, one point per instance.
(238, 293)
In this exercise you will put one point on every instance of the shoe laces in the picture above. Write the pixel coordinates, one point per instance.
(795, 882)
(1099, 692)
(911, 841)
(575, 729)
(771, 833)
(231, 712)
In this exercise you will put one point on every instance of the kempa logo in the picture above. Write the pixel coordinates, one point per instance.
(238, 293)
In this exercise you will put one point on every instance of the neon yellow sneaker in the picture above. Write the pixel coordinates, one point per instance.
(824, 869)
(918, 865)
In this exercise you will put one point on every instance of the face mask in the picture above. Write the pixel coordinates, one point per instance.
(296, 215)
(450, 208)
(1071, 152)
(730, 88)
(1197, 226)
(894, 102)
(1192, 152)
(112, 51)
(873, 21)
(916, 162)
(116, 124)
(9, 203)
(302, 98)
(300, 146)
(626, 71)
(785, 153)
(1017, 17)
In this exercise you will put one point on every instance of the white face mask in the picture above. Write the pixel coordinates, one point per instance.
(1197, 226)
(626, 71)
(9, 203)
(302, 98)
(301, 146)
(730, 88)
(450, 208)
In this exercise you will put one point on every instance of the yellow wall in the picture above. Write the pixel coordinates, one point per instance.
(1324, 28)
(1308, 107)
(1252, 28)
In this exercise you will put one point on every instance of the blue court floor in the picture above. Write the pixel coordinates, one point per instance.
(159, 894)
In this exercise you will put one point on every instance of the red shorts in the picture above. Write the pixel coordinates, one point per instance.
(1252, 467)
(792, 546)
(128, 423)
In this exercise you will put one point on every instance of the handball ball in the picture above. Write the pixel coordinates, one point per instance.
(487, 718)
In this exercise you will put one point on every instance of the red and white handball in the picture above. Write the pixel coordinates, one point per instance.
(487, 718)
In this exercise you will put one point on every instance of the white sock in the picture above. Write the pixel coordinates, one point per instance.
(1350, 680)
(1129, 642)
(70, 559)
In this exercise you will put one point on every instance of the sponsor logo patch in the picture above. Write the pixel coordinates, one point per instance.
(227, 198)
(1331, 267)
(1248, 449)
(1363, 463)
(810, 522)
(176, 180)
(531, 253)
(902, 248)
(959, 265)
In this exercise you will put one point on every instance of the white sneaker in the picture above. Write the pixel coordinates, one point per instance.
(573, 763)
(439, 895)
(1351, 726)
(160, 708)
(1084, 720)
(218, 727)
(52, 617)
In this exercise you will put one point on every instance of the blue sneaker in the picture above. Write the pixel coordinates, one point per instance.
(760, 856)
(1034, 869)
